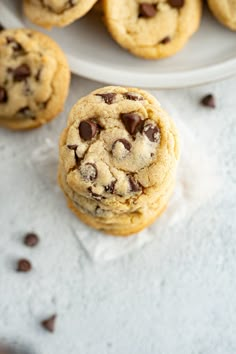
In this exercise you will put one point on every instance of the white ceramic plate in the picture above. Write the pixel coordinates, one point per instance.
(210, 55)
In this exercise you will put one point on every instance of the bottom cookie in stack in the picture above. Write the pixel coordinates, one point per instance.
(118, 159)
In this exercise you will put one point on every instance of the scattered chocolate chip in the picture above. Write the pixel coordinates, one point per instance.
(2, 28)
(24, 265)
(31, 239)
(25, 111)
(165, 40)
(111, 187)
(21, 72)
(133, 96)
(89, 171)
(134, 185)
(176, 3)
(108, 97)
(208, 101)
(88, 129)
(49, 323)
(152, 132)
(95, 195)
(124, 142)
(72, 147)
(131, 122)
(3, 95)
(147, 10)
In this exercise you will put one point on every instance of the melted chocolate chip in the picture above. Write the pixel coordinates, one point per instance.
(37, 76)
(111, 187)
(124, 142)
(21, 72)
(89, 171)
(3, 95)
(176, 3)
(2, 28)
(49, 323)
(131, 121)
(152, 132)
(108, 97)
(27, 89)
(134, 185)
(95, 195)
(88, 129)
(23, 265)
(133, 96)
(17, 47)
(165, 40)
(72, 147)
(147, 10)
(26, 112)
(208, 101)
(72, 3)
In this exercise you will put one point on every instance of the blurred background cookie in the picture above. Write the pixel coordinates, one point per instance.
(58, 13)
(224, 11)
(34, 79)
(152, 29)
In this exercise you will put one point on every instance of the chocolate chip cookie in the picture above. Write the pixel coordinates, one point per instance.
(152, 29)
(58, 13)
(224, 11)
(34, 79)
(118, 158)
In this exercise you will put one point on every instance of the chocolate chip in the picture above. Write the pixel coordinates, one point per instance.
(88, 129)
(89, 171)
(176, 3)
(133, 96)
(131, 122)
(72, 3)
(21, 72)
(124, 142)
(152, 132)
(17, 47)
(2, 28)
(37, 76)
(25, 111)
(27, 89)
(147, 10)
(49, 323)
(134, 185)
(208, 101)
(31, 239)
(108, 97)
(95, 195)
(3, 95)
(23, 265)
(72, 147)
(111, 187)
(165, 40)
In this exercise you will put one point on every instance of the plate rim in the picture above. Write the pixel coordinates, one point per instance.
(108, 75)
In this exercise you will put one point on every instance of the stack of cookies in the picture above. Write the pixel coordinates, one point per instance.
(118, 158)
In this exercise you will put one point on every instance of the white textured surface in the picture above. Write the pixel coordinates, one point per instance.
(175, 295)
